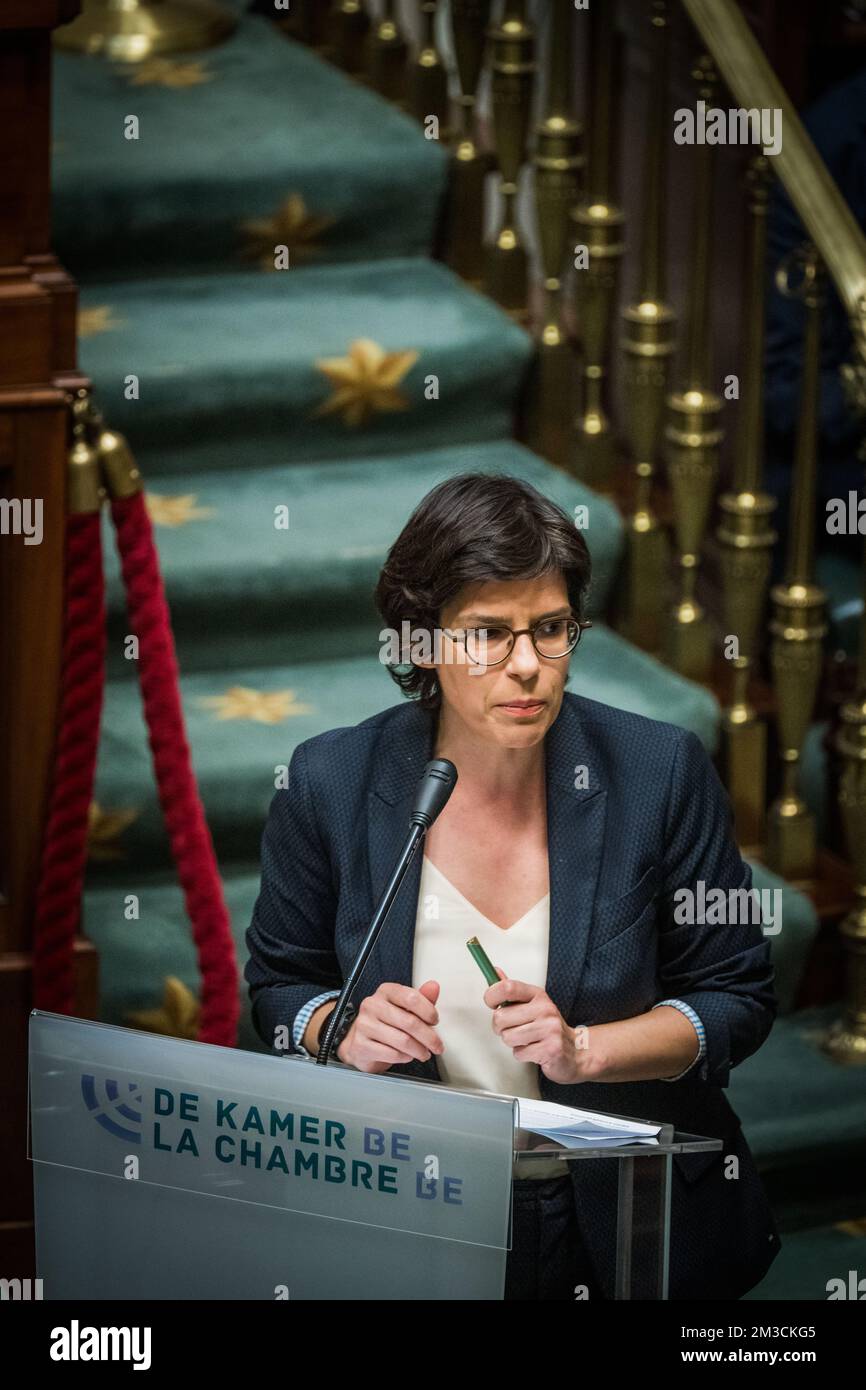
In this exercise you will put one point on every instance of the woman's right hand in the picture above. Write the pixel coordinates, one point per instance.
(393, 1025)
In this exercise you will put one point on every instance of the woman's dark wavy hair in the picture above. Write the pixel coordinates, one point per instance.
(471, 529)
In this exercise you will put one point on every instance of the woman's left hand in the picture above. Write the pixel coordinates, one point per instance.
(535, 1030)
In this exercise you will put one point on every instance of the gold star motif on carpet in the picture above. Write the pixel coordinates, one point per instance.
(857, 1227)
(292, 225)
(165, 72)
(365, 382)
(178, 1017)
(165, 510)
(104, 829)
(97, 320)
(255, 706)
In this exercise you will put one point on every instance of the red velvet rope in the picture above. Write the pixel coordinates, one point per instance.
(58, 895)
(188, 831)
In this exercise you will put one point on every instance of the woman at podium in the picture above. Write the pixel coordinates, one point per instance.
(580, 846)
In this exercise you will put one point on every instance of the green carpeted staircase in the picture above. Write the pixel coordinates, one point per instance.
(235, 413)
(226, 136)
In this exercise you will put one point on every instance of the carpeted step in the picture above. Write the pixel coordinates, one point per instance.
(226, 136)
(814, 786)
(839, 570)
(240, 742)
(245, 593)
(811, 1262)
(137, 954)
(794, 914)
(225, 362)
(796, 1104)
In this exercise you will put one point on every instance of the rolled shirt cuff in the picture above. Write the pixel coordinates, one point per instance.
(702, 1038)
(303, 1016)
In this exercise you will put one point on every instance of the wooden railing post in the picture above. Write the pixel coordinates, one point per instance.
(37, 370)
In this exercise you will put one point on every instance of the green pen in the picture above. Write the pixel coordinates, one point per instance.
(485, 965)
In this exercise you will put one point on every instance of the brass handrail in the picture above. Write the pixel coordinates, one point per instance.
(807, 180)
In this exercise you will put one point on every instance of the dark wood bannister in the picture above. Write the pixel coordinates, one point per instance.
(37, 371)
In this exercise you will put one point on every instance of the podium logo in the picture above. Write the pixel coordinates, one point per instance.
(113, 1110)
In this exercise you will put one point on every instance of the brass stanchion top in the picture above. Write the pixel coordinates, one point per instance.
(122, 477)
(86, 492)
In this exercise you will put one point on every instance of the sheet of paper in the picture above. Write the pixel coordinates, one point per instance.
(548, 1118)
(570, 1140)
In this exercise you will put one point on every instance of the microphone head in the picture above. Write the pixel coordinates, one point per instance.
(435, 785)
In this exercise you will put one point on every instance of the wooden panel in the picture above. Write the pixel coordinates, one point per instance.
(16, 1190)
(31, 585)
(37, 369)
(25, 145)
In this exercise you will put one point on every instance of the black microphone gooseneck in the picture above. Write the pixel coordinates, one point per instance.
(434, 788)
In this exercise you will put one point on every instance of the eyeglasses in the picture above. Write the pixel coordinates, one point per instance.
(489, 646)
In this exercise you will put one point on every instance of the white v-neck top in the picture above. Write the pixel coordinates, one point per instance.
(474, 1057)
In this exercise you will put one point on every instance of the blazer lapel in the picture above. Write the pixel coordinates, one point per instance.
(575, 833)
(576, 808)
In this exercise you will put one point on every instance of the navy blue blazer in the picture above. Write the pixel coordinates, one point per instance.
(649, 815)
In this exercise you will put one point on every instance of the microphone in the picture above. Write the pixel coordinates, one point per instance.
(435, 785)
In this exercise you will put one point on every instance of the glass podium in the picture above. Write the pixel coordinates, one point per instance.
(643, 1199)
(170, 1169)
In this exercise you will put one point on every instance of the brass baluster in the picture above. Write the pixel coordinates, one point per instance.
(799, 605)
(465, 219)
(648, 344)
(428, 83)
(598, 225)
(348, 26)
(558, 161)
(693, 434)
(505, 261)
(387, 54)
(306, 22)
(746, 538)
